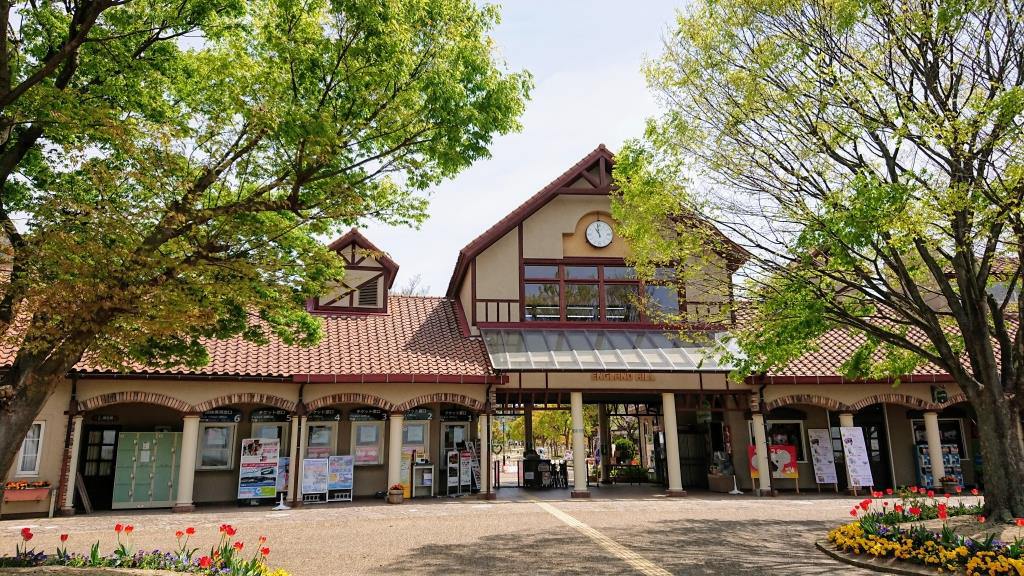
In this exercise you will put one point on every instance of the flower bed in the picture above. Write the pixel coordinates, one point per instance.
(889, 526)
(227, 558)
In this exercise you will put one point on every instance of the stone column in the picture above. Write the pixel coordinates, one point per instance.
(675, 479)
(579, 447)
(67, 507)
(395, 423)
(764, 484)
(604, 434)
(294, 458)
(931, 432)
(299, 455)
(187, 463)
(485, 458)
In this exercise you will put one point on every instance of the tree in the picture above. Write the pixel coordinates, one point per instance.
(867, 155)
(174, 161)
(413, 287)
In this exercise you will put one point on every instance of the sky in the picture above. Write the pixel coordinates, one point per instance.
(586, 58)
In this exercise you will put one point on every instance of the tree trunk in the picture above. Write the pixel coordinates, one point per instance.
(1002, 455)
(31, 388)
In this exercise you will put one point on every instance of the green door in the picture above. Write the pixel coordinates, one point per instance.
(147, 469)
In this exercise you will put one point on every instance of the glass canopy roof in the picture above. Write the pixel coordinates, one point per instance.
(601, 351)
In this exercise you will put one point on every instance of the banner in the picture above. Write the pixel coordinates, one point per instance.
(257, 473)
(340, 472)
(858, 465)
(822, 456)
(314, 475)
(781, 460)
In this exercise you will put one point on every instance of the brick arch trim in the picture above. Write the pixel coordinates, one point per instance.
(134, 397)
(350, 398)
(809, 399)
(441, 397)
(957, 398)
(246, 398)
(895, 398)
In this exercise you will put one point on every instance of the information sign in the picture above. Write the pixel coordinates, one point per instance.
(258, 468)
(857, 462)
(822, 456)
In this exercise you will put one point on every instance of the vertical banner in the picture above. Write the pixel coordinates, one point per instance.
(822, 456)
(465, 468)
(405, 472)
(282, 473)
(339, 475)
(257, 472)
(857, 462)
(314, 475)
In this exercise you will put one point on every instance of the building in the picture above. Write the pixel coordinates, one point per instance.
(540, 313)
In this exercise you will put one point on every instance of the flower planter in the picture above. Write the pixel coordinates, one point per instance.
(395, 496)
(950, 487)
(26, 495)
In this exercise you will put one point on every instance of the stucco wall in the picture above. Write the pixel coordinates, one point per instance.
(55, 421)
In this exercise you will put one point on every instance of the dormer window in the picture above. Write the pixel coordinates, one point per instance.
(369, 274)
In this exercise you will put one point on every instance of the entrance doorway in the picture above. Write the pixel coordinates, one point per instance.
(693, 455)
(98, 458)
(872, 421)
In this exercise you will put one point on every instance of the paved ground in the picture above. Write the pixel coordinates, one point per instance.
(620, 531)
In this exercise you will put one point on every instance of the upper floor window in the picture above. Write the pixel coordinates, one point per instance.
(590, 293)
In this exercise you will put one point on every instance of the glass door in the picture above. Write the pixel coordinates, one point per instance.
(99, 454)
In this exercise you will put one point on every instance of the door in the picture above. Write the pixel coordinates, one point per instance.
(693, 456)
(98, 458)
(454, 437)
(872, 421)
(147, 470)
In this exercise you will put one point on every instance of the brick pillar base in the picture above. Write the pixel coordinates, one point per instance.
(66, 512)
(675, 493)
(183, 509)
(580, 494)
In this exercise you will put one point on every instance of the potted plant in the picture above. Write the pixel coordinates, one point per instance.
(396, 493)
(25, 491)
(949, 483)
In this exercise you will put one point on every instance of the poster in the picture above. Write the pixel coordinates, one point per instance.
(367, 454)
(314, 475)
(405, 472)
(257, 474)
(339, 475)
(781, 460)
(282, 474)
(822, 456)
(858, 465)
(465, 468)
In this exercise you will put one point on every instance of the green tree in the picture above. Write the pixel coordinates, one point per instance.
(174, 162)
(867, 155)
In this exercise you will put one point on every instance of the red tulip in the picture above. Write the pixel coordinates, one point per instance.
(265, 551)
(974, 491)
(981, 519)
(190, 530)
(63, 537)
(888, 491)
(205, 562)
(931, 493)
(262, 540)
(179, 534)
(943, 512)
(898, 508)
(118, 528)
(948, 495)
(128, 529)
(959, 489)
(853, 512)
(237, 546)
(913, 489)
(26, 534)
(915, 511)
(1020, 521)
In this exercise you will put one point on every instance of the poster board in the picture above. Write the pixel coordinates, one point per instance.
(858, 465)
(781, 458)
(339, 472)
(314, 476)
(405, 471)
(465, 469)
(258, 468)
(822, 456)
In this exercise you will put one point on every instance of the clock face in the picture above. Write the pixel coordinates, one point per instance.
(599, 234)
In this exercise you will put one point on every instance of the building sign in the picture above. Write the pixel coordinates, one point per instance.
(857, 463)
(822, 456)
(221, 415)
(257, 473)
(363, 414)
(270, 415)
(455, 415)
(324, 415)
(622, 377)
(419, 414)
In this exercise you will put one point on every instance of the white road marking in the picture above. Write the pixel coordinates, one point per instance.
(643, 565)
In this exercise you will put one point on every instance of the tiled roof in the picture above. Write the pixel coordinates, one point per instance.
(419, 337)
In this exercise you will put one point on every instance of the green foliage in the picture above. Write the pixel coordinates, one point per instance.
(625, 449)
(179, 171)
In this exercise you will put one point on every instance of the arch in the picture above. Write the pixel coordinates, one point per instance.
(445, 397)
(350, 398)
(957, 398)
(894, 398)
(134, 397)
(246, 398)
(809, 399)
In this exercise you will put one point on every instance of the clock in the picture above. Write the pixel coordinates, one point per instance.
(599, 234)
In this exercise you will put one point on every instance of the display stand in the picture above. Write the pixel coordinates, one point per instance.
(314, 480)
(452, 485)
(422, 480)
(950, 462)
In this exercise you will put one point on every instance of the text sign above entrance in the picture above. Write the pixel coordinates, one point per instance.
(621, 377)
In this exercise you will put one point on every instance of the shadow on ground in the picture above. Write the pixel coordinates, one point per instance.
(682, 547)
